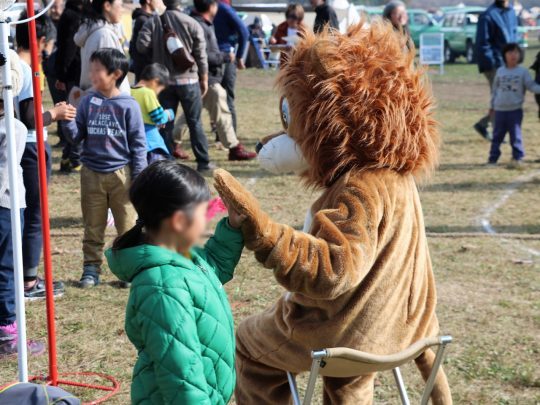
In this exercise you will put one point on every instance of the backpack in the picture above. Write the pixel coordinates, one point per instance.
(181, 58)
(34, 394)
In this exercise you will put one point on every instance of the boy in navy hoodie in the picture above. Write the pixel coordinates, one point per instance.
(110, 126)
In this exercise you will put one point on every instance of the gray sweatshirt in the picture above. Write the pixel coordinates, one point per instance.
(111, 131)
(92, 37)
(150, 42)
(509, 88)
(20, 138)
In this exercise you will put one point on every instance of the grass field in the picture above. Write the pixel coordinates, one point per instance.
(488, 286)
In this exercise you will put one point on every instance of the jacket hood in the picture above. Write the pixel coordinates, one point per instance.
(87, 29)
(121, 96)
(139, 12)
(127, 263)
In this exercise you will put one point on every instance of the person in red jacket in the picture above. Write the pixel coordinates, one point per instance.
(287, 32)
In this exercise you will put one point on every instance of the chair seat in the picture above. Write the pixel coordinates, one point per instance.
(343, 362)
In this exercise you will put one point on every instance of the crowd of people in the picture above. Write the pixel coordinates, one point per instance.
(110, 129)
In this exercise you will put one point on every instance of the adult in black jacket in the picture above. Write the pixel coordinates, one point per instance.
(67, 67)
(140, 16)
(215, 100)
(324, 15)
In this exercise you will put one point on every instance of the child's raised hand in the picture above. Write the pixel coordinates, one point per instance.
(235, 218)
(63, 111)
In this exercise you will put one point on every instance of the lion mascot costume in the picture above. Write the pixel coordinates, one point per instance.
(359, 116)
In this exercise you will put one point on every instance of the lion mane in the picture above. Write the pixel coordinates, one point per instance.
(357, 102)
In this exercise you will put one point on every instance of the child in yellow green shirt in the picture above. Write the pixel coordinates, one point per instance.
(154, 79)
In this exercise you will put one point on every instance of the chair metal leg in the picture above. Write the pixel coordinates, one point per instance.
(401, 386)
(317, 357)
(436, 366)
(294, 389)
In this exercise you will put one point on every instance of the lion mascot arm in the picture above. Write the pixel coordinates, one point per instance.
(324, 265)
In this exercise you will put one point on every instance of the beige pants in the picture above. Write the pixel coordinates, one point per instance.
(99, 192)
(215, 102)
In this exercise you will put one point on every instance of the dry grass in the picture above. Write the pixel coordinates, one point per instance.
(488, 301)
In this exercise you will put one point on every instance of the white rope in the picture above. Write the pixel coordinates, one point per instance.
(35, 16)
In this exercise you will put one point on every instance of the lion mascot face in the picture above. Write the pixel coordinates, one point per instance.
(352, 101)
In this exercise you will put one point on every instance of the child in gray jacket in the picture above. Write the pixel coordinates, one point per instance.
(509, 88)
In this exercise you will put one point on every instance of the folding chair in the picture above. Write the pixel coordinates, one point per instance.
(341, 362)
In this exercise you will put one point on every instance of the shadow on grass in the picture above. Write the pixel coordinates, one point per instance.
(524, 229)
(472, 186)
(66, 222)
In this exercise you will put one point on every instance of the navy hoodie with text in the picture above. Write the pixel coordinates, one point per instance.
(111, 131)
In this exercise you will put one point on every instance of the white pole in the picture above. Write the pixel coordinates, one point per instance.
(16, 234)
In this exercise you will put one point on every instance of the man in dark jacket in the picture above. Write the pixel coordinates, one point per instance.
(186, 87)
(324, 15)
(497, 26)
(139, 16)
(231, 33)
(215, 100)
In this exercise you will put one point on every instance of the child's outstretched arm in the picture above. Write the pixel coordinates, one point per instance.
(332, 260)
(530, 84)
(223, 250)
(172, 344)
(76, 130)
(158, 115)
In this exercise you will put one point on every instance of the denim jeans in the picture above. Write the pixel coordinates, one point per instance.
(32, 235)
(189, 96)
(228, 83)
(7, 274)
(507, 122)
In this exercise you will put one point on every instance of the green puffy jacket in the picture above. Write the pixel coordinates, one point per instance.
(179, 319)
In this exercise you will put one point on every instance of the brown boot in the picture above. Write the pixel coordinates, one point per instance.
(180, 153)
(239, 153)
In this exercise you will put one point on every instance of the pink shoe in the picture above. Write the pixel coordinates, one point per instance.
(8, 332)
(8, 342)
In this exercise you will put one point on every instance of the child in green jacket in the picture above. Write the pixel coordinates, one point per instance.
(178, 316)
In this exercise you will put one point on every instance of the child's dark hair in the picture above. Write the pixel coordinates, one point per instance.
(513, 46)
(44, 29)
(93, 11)
(202, 6)
(113, 60)
(158, 192)
(156, 71)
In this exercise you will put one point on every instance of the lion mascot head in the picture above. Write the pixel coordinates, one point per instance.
(353, 101)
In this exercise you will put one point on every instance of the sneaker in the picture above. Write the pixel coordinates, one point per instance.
(8, 332)
(8, 342)
(180, 153)
(483, 131)
(491, 163)
(124, 284)
(516, 164)
(90, 277)
(207, 169)
(37, 291)
(76, 167)
(9, 348)
(239, 153)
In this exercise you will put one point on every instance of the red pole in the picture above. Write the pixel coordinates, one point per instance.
(42, 165)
